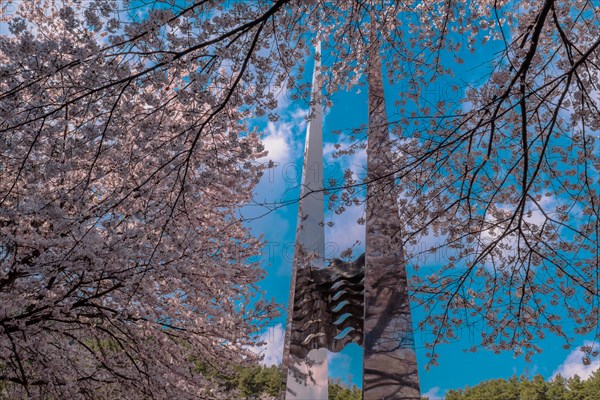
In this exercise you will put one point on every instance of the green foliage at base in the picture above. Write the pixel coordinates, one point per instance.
(537, 388)
(340, 391)
(256, 381)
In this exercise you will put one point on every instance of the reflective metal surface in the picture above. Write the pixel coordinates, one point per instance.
(306, 378)
(365, 301)
(328, 307)
(389, 365)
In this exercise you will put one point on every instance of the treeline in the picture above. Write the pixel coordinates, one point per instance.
(264, 383)
(257, 382)
(521, 388)
(341, 391)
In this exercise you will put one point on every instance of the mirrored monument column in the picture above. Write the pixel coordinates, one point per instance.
(305, 375)
(389, 366)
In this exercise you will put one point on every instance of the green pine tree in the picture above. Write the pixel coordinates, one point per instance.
(557, 388)
(535, 389)
(576, 388)
(591, 390)
(340, 391)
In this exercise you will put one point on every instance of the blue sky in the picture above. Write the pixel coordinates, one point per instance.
(285, 141)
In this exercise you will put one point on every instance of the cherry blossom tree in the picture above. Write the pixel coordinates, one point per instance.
(125, 268)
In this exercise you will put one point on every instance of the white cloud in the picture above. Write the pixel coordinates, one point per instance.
(272, 350)
(284, 149)
(356, 162)
(345, 232)
(281, 95)
(299, 115)
(496, 224)
(338, 361)
(280, 140)
(328, 150)
(573, 364)
(433, 393)
(277, 142)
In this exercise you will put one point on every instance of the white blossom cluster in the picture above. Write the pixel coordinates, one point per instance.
(125, 154)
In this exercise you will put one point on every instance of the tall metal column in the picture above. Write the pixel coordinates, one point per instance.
(389, 365)
(307, 378)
